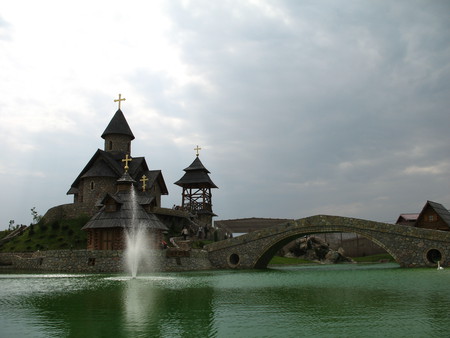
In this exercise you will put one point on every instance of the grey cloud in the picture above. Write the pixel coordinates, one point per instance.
(351, 84)
(316, 107)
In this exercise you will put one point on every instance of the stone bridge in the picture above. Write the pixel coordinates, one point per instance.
(409, 246)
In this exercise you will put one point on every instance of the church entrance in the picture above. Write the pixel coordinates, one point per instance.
(107, 240)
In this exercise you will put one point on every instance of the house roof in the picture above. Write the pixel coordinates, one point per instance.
(128, 213)
(118, 125)
(407, 217)
(196, 176)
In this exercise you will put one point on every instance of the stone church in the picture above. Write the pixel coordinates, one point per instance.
(101, 173)
(102, 192)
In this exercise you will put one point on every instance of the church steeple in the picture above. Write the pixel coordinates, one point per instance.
(118, 135)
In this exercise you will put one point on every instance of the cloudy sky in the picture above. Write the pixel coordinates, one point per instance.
(300, 107)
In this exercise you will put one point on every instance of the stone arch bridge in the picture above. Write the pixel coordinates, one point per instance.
(409, 246)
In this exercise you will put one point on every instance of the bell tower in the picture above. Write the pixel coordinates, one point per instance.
(196, 195)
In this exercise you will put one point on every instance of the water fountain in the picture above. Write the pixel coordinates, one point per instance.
(137, 239)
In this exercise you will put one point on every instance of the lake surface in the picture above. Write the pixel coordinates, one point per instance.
(379, 300)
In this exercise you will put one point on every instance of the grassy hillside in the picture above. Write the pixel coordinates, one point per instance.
(63, 234)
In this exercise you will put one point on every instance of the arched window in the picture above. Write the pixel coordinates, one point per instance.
(110, 145)
(92, 185)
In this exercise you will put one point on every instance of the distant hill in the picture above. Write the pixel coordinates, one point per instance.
(245, 225)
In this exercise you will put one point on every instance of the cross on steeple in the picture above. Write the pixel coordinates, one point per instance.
(126, 160)
(197, 149)
(119, 100)
(144, 180)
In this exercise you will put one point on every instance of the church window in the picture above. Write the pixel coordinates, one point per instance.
(129, 147)
(110, 145)
(92, 185)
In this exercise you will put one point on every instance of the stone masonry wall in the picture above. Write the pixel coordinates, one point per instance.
(102, 261)
(68, 211)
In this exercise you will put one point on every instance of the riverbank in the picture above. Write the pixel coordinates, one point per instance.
(380, 258)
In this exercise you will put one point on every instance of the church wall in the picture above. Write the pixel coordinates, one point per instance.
(105, 239)
(117, 142)
(115, 239)
(94, 188)
(156, 192)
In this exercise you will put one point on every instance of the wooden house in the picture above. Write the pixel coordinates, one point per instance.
(434, 216)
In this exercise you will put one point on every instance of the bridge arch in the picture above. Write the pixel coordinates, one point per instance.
(268, 252)
(409, 246)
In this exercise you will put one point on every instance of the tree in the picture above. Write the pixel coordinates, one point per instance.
(35, 215)
(11, 225)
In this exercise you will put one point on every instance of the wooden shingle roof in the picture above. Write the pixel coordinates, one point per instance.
(108, 164)
(196, 176)
(119, 126)
(126, 213)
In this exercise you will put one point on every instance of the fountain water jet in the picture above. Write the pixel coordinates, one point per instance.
(137, 239)
(136, 247)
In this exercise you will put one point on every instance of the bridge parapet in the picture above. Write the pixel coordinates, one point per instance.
(409, 246)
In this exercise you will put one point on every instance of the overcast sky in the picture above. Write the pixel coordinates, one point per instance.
(300, 107)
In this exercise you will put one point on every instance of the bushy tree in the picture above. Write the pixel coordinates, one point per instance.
(35, 215)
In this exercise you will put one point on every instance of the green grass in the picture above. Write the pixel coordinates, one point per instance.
(374, 258)
(63, 234)
(277, 260)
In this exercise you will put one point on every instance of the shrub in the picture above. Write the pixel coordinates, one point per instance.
(55, 225)
(31, 230)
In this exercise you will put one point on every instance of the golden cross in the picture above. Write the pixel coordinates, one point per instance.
(197, 149)
(144, 179)
(120, 99)
(126, 160)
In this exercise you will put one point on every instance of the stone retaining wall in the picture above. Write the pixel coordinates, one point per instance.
(76, 261)
(68, 211)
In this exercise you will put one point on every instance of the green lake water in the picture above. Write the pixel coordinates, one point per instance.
(379, 300)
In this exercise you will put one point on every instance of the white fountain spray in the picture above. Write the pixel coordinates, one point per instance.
(137, 246)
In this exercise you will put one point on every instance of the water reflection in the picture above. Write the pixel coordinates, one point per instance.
(139, 301)
(312, 301)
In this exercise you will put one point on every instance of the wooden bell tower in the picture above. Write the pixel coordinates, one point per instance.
(196, 195)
